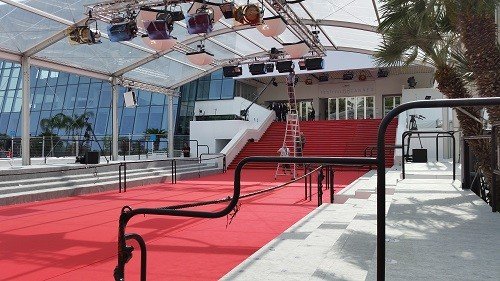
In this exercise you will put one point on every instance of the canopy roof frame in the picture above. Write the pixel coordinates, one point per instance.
(183, 46)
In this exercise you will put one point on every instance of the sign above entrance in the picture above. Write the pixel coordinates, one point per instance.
(347, 89)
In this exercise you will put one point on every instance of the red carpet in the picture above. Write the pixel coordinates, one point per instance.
(323, 138)
(75, 238)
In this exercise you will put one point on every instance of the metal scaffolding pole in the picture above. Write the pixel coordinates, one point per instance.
(114, 109)
(26, 98)
(171, 128)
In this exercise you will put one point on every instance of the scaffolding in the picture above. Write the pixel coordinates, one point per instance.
(292, 140)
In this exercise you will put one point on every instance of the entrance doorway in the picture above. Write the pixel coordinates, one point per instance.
(362, 107)
(305, 109)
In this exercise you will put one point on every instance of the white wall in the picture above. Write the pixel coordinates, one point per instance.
(378, 87)
(214, 133)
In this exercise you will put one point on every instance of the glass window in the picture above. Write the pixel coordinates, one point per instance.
(60, 92)
(144, 98)
(69, 100)
(81, 96)
(227, 89)
(13, 122)
(106, 95)
(158, 99)
(127, 122)
(203, 91)
(155, 117)
(34, 122)
(93, 95)
(390, 102)
(360, 105)
(370, 107)
(342, 108)
(141, 120)
(215, 89)
(4, 121)
(332, 109)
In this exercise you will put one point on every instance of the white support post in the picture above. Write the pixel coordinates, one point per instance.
(171, 128)
(114, 109)
(25, 109)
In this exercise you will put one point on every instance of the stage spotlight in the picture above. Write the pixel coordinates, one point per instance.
(227, 10)
(382, 72)
(200, 22)
(323, 77)
(257, 68)
(302, 65)
(232, 71)
(272, 26)
(348, 75)
(411, 82)
(362, 76)
(309, 81)
(269, 67)
(213, 9)
(314, 64)
(285, 66)
(296, 50)
(250, 14)
(122, 30)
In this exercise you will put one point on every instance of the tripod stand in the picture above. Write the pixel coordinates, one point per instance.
(412, 126)
(86, 142)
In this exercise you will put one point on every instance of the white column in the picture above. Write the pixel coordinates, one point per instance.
(114, 109)
(25, 109)
(171, 126)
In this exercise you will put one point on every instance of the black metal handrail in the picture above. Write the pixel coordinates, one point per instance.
(381, 160)
(439, 134)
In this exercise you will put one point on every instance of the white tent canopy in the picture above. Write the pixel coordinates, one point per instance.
(36, 29)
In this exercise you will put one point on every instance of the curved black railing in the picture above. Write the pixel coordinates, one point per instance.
(124, 252)
(439, 134)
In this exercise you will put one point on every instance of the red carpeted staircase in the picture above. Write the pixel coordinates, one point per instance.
(323, 138)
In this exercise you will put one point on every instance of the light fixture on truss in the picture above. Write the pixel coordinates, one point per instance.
(83, 34)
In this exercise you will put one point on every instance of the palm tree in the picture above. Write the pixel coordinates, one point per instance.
(159, 133)
(414, 27)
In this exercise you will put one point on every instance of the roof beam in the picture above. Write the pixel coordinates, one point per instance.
(319, 26)
(345, 24)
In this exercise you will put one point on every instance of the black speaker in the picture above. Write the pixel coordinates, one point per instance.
(232, 71)
(314, 64)
(92, 157)
(257, 68)
(285, 66)
(419, 155)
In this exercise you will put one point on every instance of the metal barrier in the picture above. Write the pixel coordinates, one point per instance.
(442, 134)
(124, 251)
(219, 155)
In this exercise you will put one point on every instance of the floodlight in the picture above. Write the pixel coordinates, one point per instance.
(227, 9)
(269, 67)
(159, 30)
(285, 66)
(323, 77)
(122, 31)
(302, 65)
(248, 14)
(272, 26)
(200, 57)
(382, 72)
(199, 23)
(83, 34)
(411, 82)
(362, 76)
(308, 81)
(348, 75)
(314, 63)
(232, 71)
(257, 68)
(212, 9)
(296, 50)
